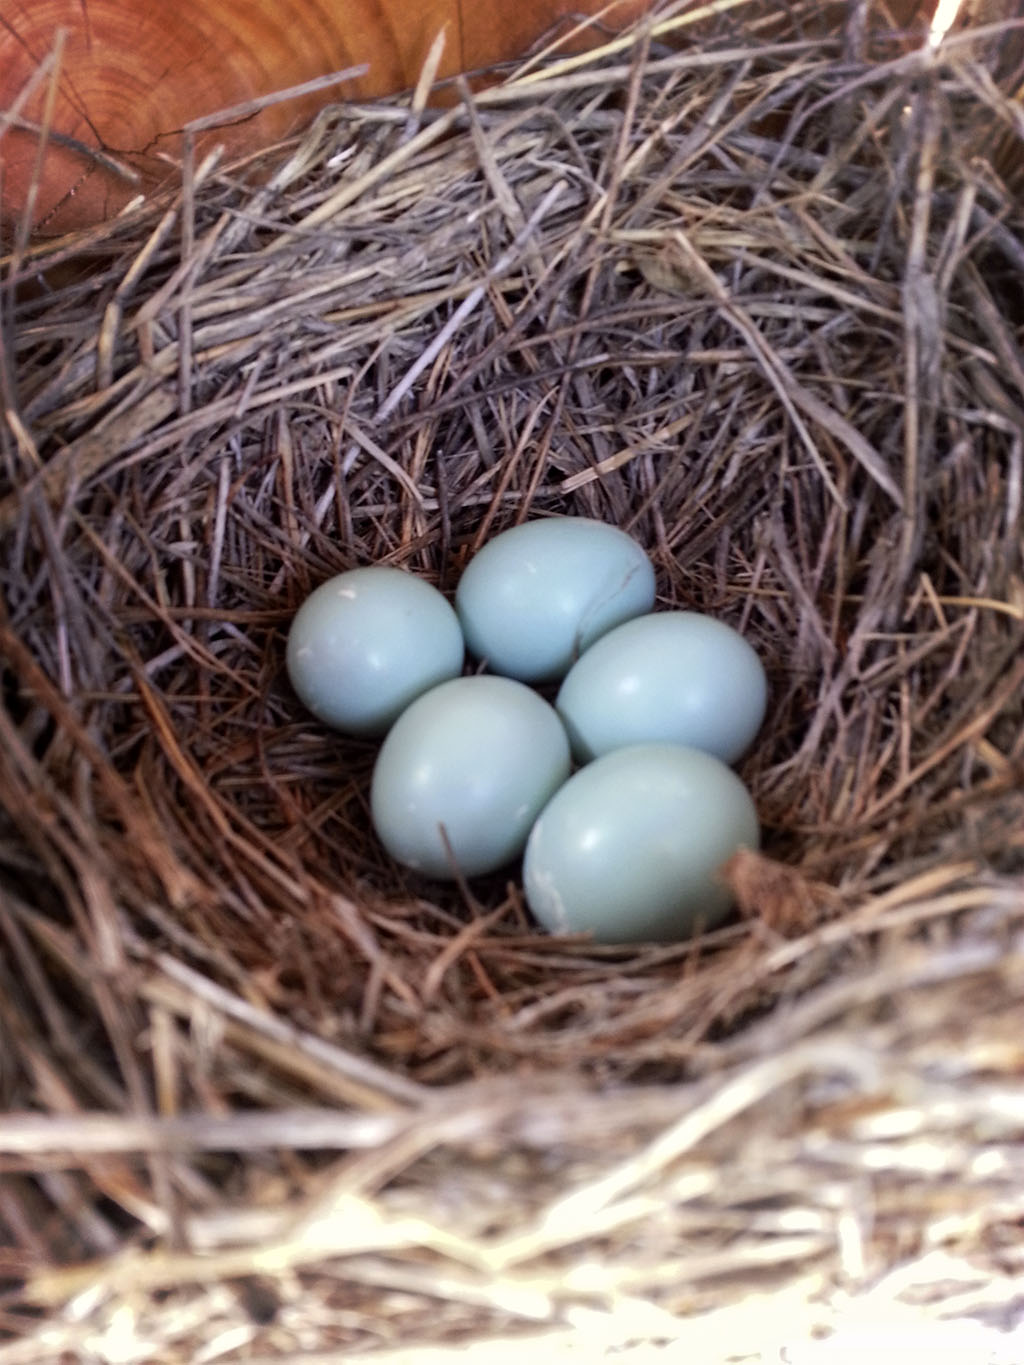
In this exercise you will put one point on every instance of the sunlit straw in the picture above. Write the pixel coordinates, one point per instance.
(943, 21)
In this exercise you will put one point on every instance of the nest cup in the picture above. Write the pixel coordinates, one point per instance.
(756, 301)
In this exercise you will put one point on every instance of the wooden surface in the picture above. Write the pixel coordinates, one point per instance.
(134, 71)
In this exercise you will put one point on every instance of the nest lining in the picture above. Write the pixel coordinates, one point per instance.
(757, 303)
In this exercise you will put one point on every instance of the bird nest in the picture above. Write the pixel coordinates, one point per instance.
(758, 301)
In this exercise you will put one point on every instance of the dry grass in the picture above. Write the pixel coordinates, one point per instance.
(273, 1099)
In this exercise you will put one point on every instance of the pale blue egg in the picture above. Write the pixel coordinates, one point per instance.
(366, 643)
(536, 596)
(673, 677)
(472, 761)
(630, 849)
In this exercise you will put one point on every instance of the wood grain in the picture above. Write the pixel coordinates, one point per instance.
(135, 71)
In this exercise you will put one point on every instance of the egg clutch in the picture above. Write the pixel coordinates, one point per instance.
(652, 708)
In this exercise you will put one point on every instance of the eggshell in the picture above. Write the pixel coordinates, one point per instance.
(670, 677)
(629, 849)
(477, 758)
(536, 596)
(366, 643)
